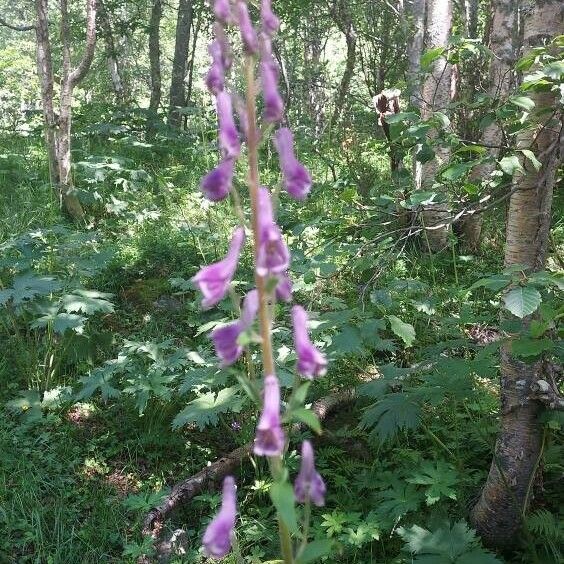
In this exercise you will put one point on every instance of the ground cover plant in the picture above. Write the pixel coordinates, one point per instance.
(413, 158)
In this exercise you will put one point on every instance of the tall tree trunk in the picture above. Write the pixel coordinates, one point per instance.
(501, 80)
(196, 27)
(506, 493)
(436, 93)
(112, 58)
(416, 13)
(155, 64)
(345, 24)
(45, 72)
(177, 96)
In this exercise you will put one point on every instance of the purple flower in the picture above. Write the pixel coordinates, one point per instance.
(269, 440)
(213, 280)
(284, 288)
(217, 183)
(222, 10)
(273, 103)
(248, 33)
(273, 257)
(228, 135)
(270, 23)
(225, 338)
(297, 179)
(217, 538)
(215, 79)
(309, 485)
(311, 362)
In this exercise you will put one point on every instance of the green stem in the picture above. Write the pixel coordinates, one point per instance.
(305, 528)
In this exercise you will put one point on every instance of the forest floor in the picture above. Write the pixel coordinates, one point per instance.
(88, 449)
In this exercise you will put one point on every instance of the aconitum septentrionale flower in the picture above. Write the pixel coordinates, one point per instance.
(270, 438)
(248, 32)
(225, 338)
(222, 11)
(217, 538)
(228, 135)
(217, 183)
(273, 103)
(273, 257)
(297, 179)
(213, 280)
(269, 20)
(284, 288)
(309, 485)
(311, 362)
(215, 79)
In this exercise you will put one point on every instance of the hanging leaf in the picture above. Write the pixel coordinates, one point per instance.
(522, 301)
(282, 495)
(523, 102)
(510, 165)
(405, 331)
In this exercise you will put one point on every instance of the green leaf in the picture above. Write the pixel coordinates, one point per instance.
(347, 341)
(315, 550)
(206, 409)
(61, 322)
(510, 165)
(526, 347)
(88, 302)
(494, 283)
(440, 479)
(282, 495)
(431, 55)
(390, 414)
(28, 405)
(522, 301)
(308, 417)
(456, 171)
(27, 286)
(405, 331)
(554, 70)
(523, 102)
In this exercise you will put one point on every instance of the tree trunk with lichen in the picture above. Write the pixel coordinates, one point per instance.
(436, 95)
(155, 65)
(501, 80)
(506, 495)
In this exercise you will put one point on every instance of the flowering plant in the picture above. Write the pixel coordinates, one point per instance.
(272, 262)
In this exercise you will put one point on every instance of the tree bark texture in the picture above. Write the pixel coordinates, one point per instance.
(501, 80)
(112, 57)
(155, 63)
(416, 12)
(177, 95)
(436, 95)
(506, 494)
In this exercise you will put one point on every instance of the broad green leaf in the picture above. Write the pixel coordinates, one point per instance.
(315, 550)
(522, 301)
(405, 331)
(61, 322)
(431, 55)
(510, 165)
(526, 347)
(532, 158)
(392, 413)
(28, 405)
(206, 409)
(457, 170)
(523, 102)
(282, 495)
(88, 302)
(440, 479)
(554, 69)
(495, 283)
(308, 417)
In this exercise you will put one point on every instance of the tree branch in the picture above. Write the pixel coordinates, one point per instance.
(22, 27)
(80, 71)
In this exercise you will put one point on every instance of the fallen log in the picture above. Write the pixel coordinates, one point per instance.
(213, 474)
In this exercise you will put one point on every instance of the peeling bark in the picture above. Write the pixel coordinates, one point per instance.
(506, 495)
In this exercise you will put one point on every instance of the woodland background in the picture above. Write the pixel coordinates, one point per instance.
(431, 251)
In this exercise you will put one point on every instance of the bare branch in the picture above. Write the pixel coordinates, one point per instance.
(22, 27)
(80, 71)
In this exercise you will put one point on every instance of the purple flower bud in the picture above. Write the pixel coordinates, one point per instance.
(222, 10)
(215, 79)
(217, 538)
(297, 179)
(213, 280)
(228, 135)
(217, 183)
(270, 23)
(284, 288)
(309, 484)
(226, 58)
(311, 362)
(273, 103)
(225, 338)
(273, 256)
(269, 439)
(248, 33)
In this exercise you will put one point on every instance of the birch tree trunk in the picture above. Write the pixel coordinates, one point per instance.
(501, 80)
(177, 95)
(155, 64)
(506, 494)
(112, 57)
(436, 94)
(416, 13)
